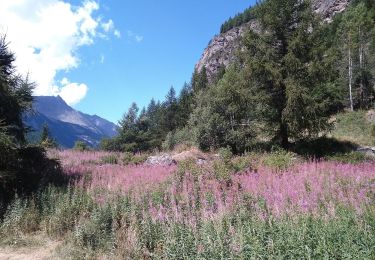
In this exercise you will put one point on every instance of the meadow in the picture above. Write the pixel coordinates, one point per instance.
(231, 208)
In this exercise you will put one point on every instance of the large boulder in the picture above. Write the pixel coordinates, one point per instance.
(160, 160)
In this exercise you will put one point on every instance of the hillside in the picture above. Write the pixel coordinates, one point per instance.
(66, 124)
(357, 127)
(223, 48)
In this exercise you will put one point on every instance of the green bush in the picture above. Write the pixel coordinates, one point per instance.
(137, 159)
(169, 142)
(109, 159)
(279, 160)
(80, 146)
(241, 163)
(225, 154)
(96, 232)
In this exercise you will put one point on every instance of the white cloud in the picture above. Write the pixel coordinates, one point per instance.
(117, 33)
(138, 38)
(108, 26)
(102, 58)
(134, 36)
(73, 93)
(46, 35)
(64, 81)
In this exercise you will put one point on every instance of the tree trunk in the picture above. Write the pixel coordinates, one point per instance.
(350, 77)
(361, 69)
(284, 135)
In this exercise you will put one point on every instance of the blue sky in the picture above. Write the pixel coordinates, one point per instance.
(160, 43)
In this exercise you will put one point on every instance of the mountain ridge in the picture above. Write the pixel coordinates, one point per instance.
(66, 124)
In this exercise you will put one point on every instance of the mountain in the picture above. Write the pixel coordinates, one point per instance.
(222, 49)
(66, 124)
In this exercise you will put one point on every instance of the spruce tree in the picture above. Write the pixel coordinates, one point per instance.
(45, 138)
(285, 70)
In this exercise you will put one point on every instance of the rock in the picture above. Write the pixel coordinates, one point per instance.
(222, 49)
(195, 154)
(370, 151)
(371, 116)
(160, 160)
(329, 8)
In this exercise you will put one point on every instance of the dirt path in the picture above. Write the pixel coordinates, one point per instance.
(30, 253)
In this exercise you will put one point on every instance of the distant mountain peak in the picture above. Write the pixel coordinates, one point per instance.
(66, 124)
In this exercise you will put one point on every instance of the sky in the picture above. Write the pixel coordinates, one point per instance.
(102, 55)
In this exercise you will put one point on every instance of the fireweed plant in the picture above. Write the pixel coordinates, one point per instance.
(308, 210)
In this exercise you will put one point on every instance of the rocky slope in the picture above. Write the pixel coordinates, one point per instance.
(222, 49)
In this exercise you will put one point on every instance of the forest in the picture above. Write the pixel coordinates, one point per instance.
(283, 90)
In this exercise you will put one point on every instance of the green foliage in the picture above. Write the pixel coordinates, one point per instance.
(222, 114)
(352, 158)
(107, 144)
(46, 140)
(109, 159)
(199, 80)
(242, 163)
(169, 142)
(354, 127)
(354, 36)
(23, 168)
(15, 95)
(133, 159)
(286, 84)
(188, 166)
(118, 229)
(225, 154)
(80, 146)
(238, 20)
(285, 68)
(279, 160)
(96, 232)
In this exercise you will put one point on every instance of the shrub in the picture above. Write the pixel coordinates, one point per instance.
(80, 146)
(225, 154)
(96, 232)
(169, 142)
(279, 160)
(20, 218)
(129, 158)
(241, 163)
(109, 159)
(139, 159)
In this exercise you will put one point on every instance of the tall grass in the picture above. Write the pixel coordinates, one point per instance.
(310, 210)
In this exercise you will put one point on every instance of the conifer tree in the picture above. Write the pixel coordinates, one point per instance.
(45, 138)
(285, 70)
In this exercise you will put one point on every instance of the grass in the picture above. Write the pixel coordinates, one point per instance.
(354, 127)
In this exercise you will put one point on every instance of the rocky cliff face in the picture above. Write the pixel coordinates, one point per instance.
(222, 49)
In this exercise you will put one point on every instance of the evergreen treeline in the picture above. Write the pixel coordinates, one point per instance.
(239, 19)
(288, 82)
